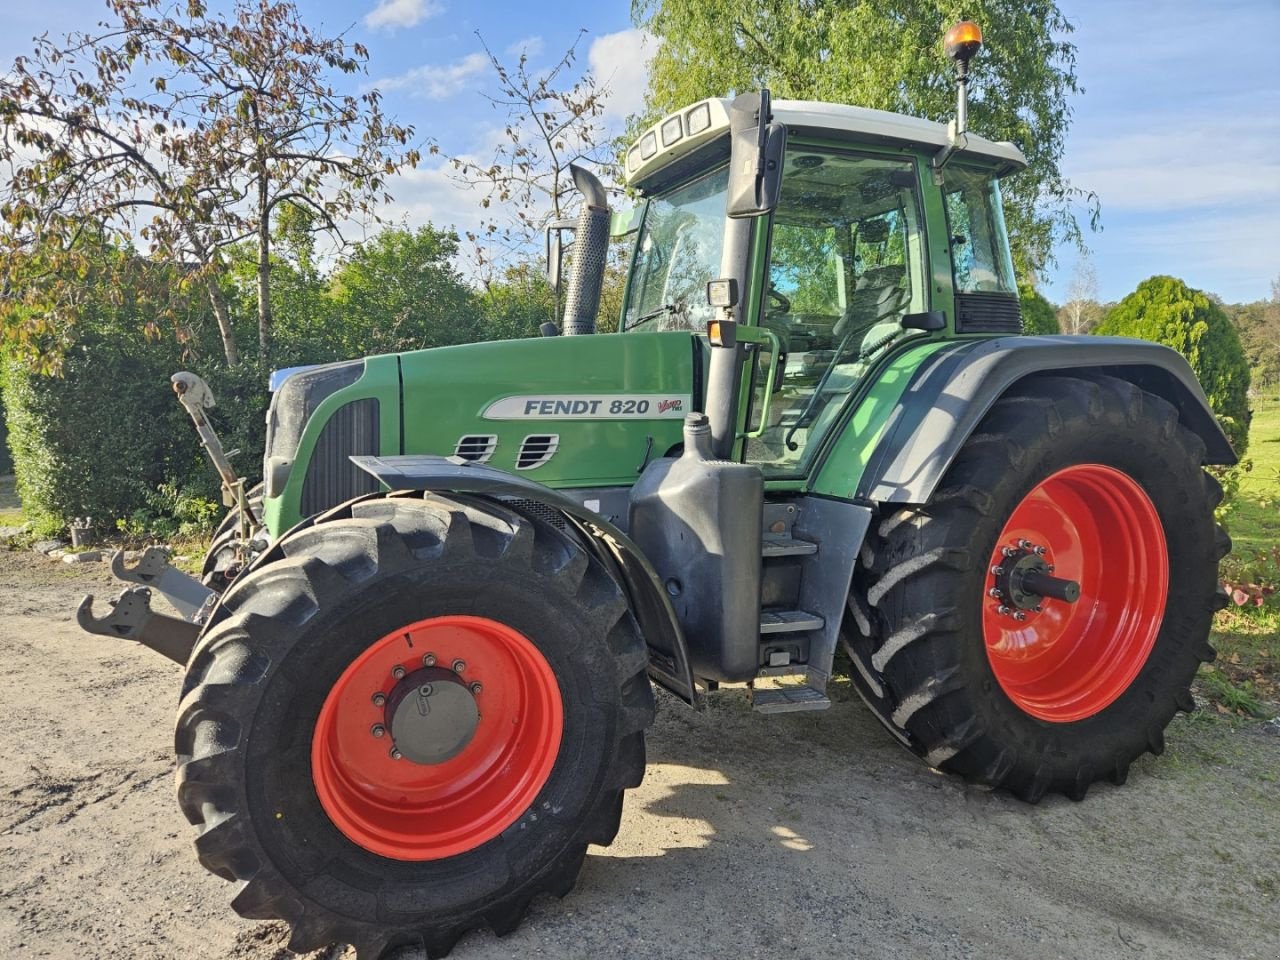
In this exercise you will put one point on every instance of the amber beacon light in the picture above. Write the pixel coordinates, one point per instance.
(963, 41)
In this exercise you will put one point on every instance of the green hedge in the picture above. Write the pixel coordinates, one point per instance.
(108, 439)
(6, 461)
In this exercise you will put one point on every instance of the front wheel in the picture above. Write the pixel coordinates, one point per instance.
(1037, 624)
(409, 720)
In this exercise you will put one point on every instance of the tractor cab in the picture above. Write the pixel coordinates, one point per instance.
(869, 246)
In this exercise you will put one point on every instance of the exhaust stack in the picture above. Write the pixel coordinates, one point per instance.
(590, 250)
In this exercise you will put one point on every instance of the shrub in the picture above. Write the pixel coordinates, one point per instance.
(1165, 310)
(1038, 314)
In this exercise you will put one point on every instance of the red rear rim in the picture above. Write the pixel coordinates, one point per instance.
(1065, 661)
(497, 690)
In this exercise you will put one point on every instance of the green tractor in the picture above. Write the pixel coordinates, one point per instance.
(419, 665)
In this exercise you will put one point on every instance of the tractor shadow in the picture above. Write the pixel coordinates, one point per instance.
(805, 833)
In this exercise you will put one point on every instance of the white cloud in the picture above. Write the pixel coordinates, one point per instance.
(529, 47)
(620, 63)
(1157, 162)
(401, 13)
(437, 81)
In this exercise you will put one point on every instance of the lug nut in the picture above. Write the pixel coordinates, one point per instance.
(1008, 551)
(475, 687)
(378, 730)
(379, 699)
(397, 672)
(395, 754)
(994, 593)
(424, 690)
(459, 666)
(1050, 568)
(1004, 610)
(997, 571)
(1020, 615)
(428, 659)
(1024, 544)
(1040, 551)
(1037, 608)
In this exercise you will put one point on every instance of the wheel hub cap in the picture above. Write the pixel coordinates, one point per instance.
(432, 716)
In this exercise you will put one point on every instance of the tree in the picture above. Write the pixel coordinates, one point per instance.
(887, 54)
(1038, 314)
(1082, 311)
(1165, 310)
(189, 129)
(400, 291)
(1258, 324)
(551, 118)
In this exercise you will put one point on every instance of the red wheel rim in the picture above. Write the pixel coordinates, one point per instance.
(1069, 661)
(427, 811)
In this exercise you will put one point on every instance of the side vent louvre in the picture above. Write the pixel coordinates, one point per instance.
(476, 447)
(988, 313)
(536, 449)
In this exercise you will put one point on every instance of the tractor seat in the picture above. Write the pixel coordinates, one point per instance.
(878, 295)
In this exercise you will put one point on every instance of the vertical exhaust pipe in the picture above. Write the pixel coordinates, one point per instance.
(590, 251)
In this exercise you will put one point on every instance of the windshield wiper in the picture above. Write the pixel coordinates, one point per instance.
(667, 309)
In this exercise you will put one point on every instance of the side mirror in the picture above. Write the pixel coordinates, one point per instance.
(555, 251)
(755, 158)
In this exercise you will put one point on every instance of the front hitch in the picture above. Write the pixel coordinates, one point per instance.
(131, 618)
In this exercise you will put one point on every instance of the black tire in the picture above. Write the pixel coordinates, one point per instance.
(287, 629)
(914, 631)
(220, 562)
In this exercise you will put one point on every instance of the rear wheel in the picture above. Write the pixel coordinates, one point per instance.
(410, 722)
(1037, 623)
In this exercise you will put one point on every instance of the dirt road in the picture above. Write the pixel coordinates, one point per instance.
(809, 835)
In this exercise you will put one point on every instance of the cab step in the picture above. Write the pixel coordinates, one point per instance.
(788, 699)
(789, 621)
(787, 547)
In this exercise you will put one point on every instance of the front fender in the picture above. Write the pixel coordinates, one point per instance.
(668, 650)
(952, 390)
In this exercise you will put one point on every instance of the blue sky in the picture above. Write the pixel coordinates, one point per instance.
(1178, 130)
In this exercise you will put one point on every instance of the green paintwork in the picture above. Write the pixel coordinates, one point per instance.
(447, 390)
(839, 470)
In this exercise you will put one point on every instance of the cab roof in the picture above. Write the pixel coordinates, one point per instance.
(679, 135)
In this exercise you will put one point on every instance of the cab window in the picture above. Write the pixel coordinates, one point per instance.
(846, 263)
(980, 260)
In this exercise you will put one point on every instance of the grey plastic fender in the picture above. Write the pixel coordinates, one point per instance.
(668, 650)
(952, 391)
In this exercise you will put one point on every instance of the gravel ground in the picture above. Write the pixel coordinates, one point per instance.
(808, 835)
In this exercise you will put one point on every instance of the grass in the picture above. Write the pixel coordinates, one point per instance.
(1245, 679)
(1255, 521)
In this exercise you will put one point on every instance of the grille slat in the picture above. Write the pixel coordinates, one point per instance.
(988, 313)
(476, 447)
(536, 449)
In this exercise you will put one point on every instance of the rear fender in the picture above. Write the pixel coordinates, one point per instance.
(952, 390)
(668, 651)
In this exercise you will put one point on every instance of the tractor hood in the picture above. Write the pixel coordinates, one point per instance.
(565, 411)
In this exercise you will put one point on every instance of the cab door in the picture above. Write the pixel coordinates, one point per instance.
(846, 263)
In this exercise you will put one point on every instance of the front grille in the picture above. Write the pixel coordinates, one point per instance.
(536, 449)
(988, 313)
(478, 447)
(331, 476)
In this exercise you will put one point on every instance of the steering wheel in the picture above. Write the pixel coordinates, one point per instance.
(782, 304)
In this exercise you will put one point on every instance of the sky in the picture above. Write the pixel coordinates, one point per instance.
(1177, 130)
